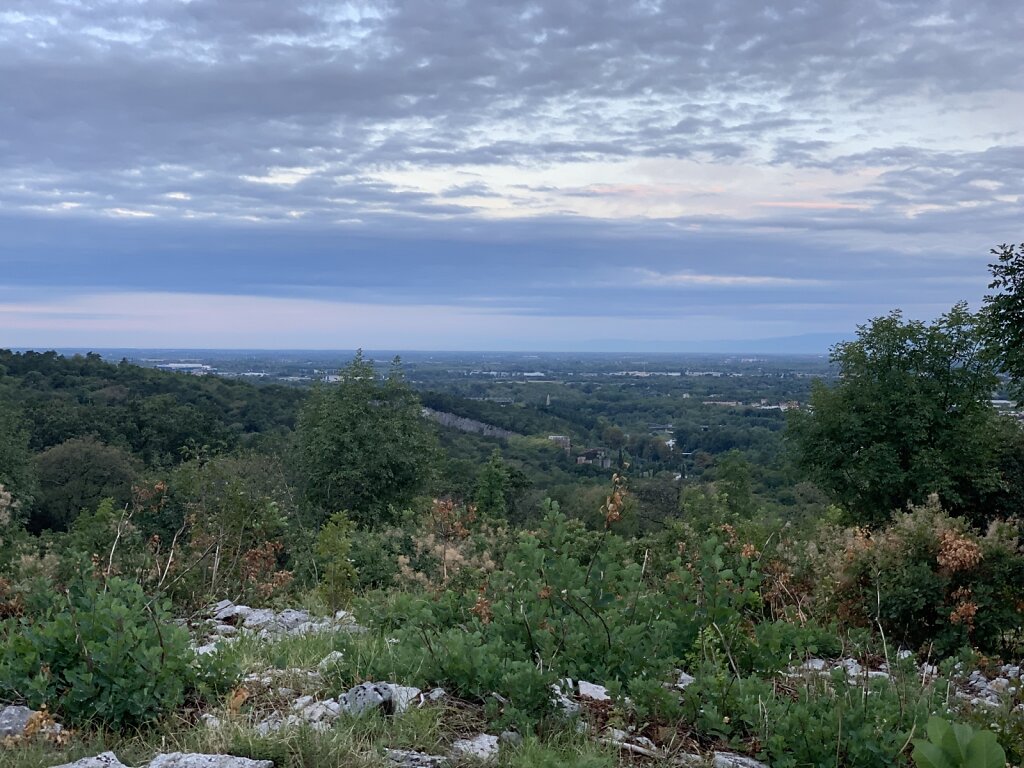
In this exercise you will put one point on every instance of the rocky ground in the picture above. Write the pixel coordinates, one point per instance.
(275, 702)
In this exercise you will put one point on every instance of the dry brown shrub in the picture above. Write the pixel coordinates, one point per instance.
(957, 552)
(452, 543)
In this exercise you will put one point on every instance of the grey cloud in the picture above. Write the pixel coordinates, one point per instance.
(118, 103)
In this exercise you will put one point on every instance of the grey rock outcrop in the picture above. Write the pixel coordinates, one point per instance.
(13, 720)
(229, 619)
(191, 760)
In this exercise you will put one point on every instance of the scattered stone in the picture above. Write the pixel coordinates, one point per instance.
(434, 695)
(390, 698)
(482, 747)
(814, 665)
(333, 707)
(401, 697)
(269, 726)
(685, 680)
(102, 760)
(592, 691)
(315, 713)
(852, 667)
(13, 720)
(407, 758)
(568, 706)
(302, 702)
(210, 721)
(732, 760)
(191, 760)
(999, 684)
(268, 624)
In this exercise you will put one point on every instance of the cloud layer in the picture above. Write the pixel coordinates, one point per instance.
(611, 160)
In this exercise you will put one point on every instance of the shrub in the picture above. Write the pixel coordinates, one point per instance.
(95, 653)
(929, 579)
(333, 546)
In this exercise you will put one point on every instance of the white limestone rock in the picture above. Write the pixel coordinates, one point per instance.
(482, 747)
(193, 760)
(367, 697)
(401, 697)
(685, 680)
(568, 706)
(592, 691)
(102, 760)
(732, 760)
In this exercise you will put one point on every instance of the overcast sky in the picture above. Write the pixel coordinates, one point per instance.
(557, 174)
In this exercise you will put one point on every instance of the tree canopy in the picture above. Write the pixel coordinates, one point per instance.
(365, 447)
(1004, 312)
(911, 416)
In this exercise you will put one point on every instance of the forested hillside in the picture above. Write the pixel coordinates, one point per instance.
(325, 576)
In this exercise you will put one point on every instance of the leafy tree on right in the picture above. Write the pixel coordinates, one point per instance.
(1004, 313)
(910, 416)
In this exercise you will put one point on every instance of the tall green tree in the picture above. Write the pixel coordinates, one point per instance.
(1004, 312)
(364, 445)
(733, 478)
(910, 416)
(492, 488)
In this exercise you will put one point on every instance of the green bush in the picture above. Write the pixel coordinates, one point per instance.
(96, 653)
(333, 547)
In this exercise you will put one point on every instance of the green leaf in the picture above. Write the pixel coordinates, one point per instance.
(984, 751)
(929, 755)
(954, 742)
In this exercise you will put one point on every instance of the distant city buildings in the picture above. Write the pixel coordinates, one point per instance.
(196, 369)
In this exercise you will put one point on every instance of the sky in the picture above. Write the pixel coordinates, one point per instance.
(500, 175)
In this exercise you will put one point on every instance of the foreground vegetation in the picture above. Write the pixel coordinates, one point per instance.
(852, 628)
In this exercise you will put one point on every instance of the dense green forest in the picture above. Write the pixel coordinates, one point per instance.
(690, 544)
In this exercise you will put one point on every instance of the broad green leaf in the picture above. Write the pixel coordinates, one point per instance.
(928, 755)
(984, 751)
